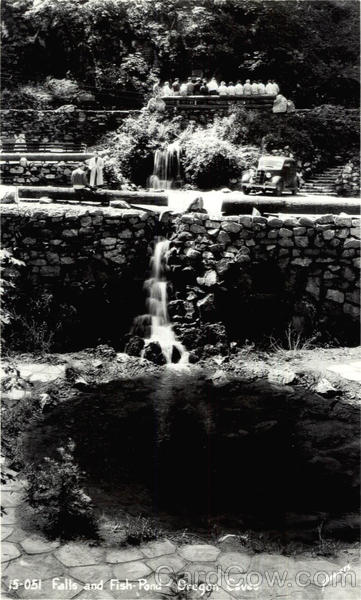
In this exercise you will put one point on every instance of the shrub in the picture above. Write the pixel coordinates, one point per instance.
(133, 145)
(9, 273)
(15, 420)
(54, 492)
(209, 161)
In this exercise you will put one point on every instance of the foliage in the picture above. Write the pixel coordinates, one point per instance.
(310, 47)
(133, 145)
(16, 418)
(140, 530)
(317, 137)
(9, 273)
(60, 504)
(38, 322)
(209, 161)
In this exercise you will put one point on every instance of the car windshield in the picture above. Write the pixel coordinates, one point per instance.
(271, 162)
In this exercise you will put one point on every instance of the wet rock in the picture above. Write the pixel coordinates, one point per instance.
(176, 355)
(153, 352)
(324, 387)
(135, 346)
(206, 306)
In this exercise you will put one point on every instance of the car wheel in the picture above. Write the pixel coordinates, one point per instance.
(245, 191)
(279, 189)
(294, 192)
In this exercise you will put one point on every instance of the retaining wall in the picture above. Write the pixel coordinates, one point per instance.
(256, 275)
(38, 173)
(251, 276)
(77, 126)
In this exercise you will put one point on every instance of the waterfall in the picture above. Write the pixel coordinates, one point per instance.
(158, 326)
(166, 170)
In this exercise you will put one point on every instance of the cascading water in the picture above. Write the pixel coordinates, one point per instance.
(166, 170)
(156, 323)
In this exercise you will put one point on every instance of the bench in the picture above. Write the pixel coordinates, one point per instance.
(68, 194)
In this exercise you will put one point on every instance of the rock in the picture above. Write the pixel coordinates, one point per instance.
(45, 200)
(153, 352)
(285, 233)
(132, 571)
(241, 560)
(158, 548)
(324, 388)
(231, 227)
(123, 555)
(206, 306)
(281, 376)
(193, 255)
(223, 238)
(119, 204)
(92, 573)
(176, 355)
(135, 346)
(210, 278)
(9, 551)
(335, 296)
(196, 205)
(265, 426)
(225, 190)
(199, 552)
(33, 567)
(76, 554)
(38, 545)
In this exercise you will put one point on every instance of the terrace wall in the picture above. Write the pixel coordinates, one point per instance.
(252, 275)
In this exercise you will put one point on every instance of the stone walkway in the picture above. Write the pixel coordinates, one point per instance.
(33, 567)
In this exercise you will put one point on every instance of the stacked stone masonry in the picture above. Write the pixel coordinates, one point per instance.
(38, 173)
(56, 242)
(75, 126)
(318, 258)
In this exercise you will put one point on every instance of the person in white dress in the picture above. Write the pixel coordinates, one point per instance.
(254, 88)
(231, 90)
(247, 88)
(270, 88)
(222, 90)
(261, 88)
(212, 86)
(96, 166)
(238, 88)
(167, 90)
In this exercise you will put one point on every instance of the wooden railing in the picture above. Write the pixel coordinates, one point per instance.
(215, 102)
(32, 146)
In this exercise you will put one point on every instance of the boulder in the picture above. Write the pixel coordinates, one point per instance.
(135, 346)
(153, 352)
(196, 205)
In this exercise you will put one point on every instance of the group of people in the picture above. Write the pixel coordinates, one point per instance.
(201, 87)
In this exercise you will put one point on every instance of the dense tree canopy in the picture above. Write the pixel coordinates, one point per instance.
(310, 46)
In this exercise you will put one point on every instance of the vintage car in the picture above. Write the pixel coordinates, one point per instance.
(275, 174)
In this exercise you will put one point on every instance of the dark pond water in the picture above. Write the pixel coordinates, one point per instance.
(179, 445)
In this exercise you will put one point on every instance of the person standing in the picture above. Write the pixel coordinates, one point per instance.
(197, 86)
(276, 89)
(238, 89)
(231, 90)
(213, 87)
(254, 88)
(96, 166)
(203, 89)
(167, 90)
(156, 87)
(183, 89)
(261, 88)
(247, 88)
(222, 90)
(190, 87)
(270, 88)
(176, 87)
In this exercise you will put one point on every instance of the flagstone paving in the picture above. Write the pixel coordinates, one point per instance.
(81, 571)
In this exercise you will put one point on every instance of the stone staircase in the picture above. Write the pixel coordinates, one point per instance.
(323, 184)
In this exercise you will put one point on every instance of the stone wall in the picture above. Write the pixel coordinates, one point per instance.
(257, 275)
(38, 173)
(232, 278)
(89, 263)
(77, 126)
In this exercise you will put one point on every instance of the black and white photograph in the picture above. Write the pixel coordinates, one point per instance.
(180, 300)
